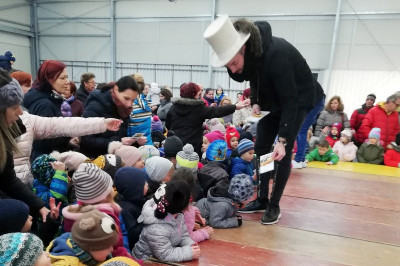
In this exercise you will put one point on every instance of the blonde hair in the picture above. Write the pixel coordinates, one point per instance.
(226, 98)
(7, 138)
(340, 105)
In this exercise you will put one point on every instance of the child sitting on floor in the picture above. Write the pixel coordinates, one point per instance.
(22, 249)
(192, 214)
(243, 164)
(165, 235)
(345, 148)
(159, 170)
(392, 156)
(232, 139)
(90, 242)
(323, 153)
(50, 179)
(129, 154)
(207, 140)
(221, 205)
(332, 135)
(371, 151)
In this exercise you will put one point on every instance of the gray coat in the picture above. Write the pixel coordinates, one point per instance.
(162, 111)
(220, 212)
(328, 118)
(166, 239)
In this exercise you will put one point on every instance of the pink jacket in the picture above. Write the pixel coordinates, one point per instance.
(112, 210)
(346, 153)
(190, 217)
(38, 127)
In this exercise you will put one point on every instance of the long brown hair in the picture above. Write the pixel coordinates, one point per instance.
(7, 138)
(340, 106)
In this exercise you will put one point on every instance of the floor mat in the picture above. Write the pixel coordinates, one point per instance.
(363, 168)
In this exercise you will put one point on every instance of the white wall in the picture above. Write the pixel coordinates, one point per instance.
(19, 45)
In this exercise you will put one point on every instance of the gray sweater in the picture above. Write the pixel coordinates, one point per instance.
(328, 118)
(166, 239)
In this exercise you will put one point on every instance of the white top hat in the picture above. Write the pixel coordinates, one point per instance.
(225, 40)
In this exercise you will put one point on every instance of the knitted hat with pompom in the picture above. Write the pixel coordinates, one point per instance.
(187, 158)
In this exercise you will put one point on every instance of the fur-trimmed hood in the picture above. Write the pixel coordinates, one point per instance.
(187, 101)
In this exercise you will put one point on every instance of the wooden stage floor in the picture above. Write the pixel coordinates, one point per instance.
(329, 217)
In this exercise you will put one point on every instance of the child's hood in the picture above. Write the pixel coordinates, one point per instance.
(131, 187)
(147, 217)
(103, 207)
(60, 247)
(219, 193)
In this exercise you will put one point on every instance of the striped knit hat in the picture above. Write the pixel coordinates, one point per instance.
(187, 158)
(42, 170)
(22, 249)
(91, 183)
(245, 145)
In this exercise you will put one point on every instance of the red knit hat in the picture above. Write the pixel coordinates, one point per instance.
(338, 127)
(231, 132)
(22, 77)
(189, 90)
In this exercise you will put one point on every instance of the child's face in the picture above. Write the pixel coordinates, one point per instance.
(334, 131)
(43, 260)
(248, 156)
(27, 226)
(145, 188)
(219, 91)
(101, 255)
(234, 142)
(139, 164)
(172, 160)
(344, 140)
(322, 150)
(373, 141)
(205, 145)
(167, 178)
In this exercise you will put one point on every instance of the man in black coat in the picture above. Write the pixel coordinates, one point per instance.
(88, 84)
(281, 82)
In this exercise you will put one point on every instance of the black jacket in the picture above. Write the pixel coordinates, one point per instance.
(101, 104)
(186, 117)
(280, 78)
(82, 94)
(45, 104)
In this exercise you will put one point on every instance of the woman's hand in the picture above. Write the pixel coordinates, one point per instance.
(43, 212)
(58, 166)
(242, 104)
(142, 141)
(112, 124)
(279, 152)
(128, 141)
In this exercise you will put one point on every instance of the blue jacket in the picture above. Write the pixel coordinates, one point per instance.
(240, 166)
(57, 189)
(101, 104)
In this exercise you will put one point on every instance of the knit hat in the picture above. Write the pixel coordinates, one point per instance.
(375, 133)
(22, 77)
(109, 163)
(172, 146)
(129, 154)
(213, 136)
(215, 124)
(14, 214)
(241, 188)
(157, 168)
(244, 146)
(72, 159)
(10, 94)
(347, 133)
(371, 96)
(172, 197)
(42, 170)
(216, 151)
(22, 249)
(246, 135)
(156, 124)
(148, 151)
(94, 231)
(91, 183)
(338, 126)
(187, 158)
(231, 132)
(10, 56)
(161, 150)
(120, 261)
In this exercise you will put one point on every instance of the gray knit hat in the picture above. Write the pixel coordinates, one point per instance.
(10, 94)
(187, 158)
(157, 168)
(22, 249)
(91, 183)
(241, 188)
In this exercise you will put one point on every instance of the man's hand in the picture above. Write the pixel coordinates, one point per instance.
(112, 124)
(128, 141)
(279, 152)
(242, 104)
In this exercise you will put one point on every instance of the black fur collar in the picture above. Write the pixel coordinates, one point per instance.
(187, 101)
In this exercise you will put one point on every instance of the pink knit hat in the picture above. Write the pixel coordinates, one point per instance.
(214, 136)
(72, 159)
(129, 154)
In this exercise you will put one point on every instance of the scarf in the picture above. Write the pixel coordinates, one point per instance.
(82, 255)
(71, 99)
(122, 110)
(66, 110)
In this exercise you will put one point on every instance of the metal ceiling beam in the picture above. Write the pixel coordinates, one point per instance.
(113, 41)
(74, 35)
(15, 22)
(34, 41)
(16, 31)
(13, 6)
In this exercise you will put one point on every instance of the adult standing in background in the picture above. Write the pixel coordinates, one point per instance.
(6, 61)
(76, 106)
(332, 114)
(281, 82)
(45, 99)
(24, 79)
(165, 104)
(209, 97)
(88, 84)
(187, 115)
(359, 114)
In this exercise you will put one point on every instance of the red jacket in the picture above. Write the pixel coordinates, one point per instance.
(392, 158)
(378, 117)
(331, 141)
(358, 116)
